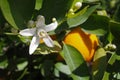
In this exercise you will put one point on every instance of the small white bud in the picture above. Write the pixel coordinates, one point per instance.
(78, 5)
(53, 19)
(114, 46)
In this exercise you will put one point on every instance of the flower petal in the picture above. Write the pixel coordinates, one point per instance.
(34, 44)
(51, 26)
(40, 21)
(48, 41)
(28, 32)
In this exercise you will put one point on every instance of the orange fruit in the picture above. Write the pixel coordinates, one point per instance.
(85, 43)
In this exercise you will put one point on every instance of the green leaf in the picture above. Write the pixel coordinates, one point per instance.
(3, 62)
(63, 68)
(22, 64)
(47, 67)
(78, 78)
(75, 62)
(77, 20)
(16, 14)
(5, 7)
(55, 8)
(38, 4)
(116, 16)
(115, 28)
(110, 61)
(96, 24)
(99, 64)
(110, 37)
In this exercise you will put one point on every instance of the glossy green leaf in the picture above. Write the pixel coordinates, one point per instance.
(75, 62)
(99, 64)
(16, 14)
(63, 68)
(5, 7)
(96, 24)
(77, 20)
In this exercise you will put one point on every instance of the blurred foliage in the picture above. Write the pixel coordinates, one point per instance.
(100, 17)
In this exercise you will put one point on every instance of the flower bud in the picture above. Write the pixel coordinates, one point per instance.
(30, 23)
(110, 47)
(53, 19)
(78, 5)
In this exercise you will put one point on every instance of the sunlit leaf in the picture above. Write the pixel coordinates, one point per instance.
(63, 68)
(77, 20)
(22, 64)
(75, 62)
(38, 4)
(110, 37)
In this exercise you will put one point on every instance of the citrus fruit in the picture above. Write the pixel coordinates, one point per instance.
(85, 43)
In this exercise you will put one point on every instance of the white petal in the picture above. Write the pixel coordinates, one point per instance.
(40, 21)
(34, 44)
(51, 26)
(48, 41)
(28, 32)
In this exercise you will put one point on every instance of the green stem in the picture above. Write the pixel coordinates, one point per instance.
(22, 75)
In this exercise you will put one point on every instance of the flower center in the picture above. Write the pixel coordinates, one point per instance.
(42, 34)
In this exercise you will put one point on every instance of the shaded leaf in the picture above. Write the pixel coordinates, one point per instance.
(16, 14)
(116, 16)
(99, 64)
(115, 28)
(55, 8)
(5, 7)
(96, 24)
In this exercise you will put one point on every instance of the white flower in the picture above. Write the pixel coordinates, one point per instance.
(40, 32)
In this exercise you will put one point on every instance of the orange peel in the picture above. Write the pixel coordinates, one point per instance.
(85, 43)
